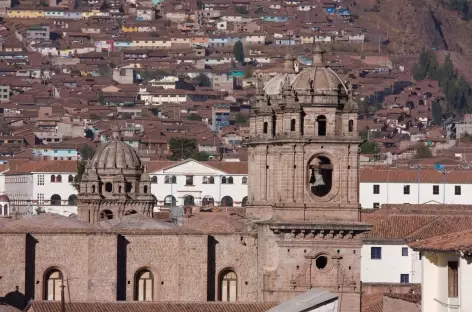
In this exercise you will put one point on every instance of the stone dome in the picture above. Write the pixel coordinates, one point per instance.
(116, 154)
(274, 86)
(322, 78)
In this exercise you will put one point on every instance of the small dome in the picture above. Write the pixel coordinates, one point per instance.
(4, 198)
(274, 86)
(116, 155)
(324, 79)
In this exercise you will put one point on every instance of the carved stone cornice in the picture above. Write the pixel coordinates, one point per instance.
(320, 231)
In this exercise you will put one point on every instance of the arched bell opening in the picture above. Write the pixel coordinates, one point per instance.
(320, 175)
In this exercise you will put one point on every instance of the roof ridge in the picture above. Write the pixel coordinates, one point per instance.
(427, 224)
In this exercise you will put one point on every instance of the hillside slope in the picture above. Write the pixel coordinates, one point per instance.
(416, 24)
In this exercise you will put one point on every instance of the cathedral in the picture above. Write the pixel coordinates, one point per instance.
(300, 229)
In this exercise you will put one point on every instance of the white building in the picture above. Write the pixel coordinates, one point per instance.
(386, 256)
(447, 272)
(199, 183)
(46, 186)
(414, 185)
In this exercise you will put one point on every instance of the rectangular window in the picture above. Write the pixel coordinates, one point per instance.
(406, 189)
(405, 278)
(376, 189)
(376, 253)
(453, 279)
(457, 190)
(40, 179)
(188, 180)
(435, 189)
(376, 205)
(40, 198)
(404, 251)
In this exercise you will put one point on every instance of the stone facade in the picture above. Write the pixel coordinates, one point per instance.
(302, 232)
(303, 184)
(115, 183)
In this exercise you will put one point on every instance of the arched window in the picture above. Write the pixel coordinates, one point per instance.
(208, 201)
(108, 187)
(230, 180)
(174, 179)
(244, 180)
(166, 180)
(154, 180)
(211, 180)
(169, 201)
(53, 179)
(53, 285)
(205, 180)
(120, 188)
(189, 200)
(321, 121)
(93, 188)
(55, 200)
(59, 178)
(72, 201)
(320, 175)
(145, 189)
(223, 180)
(227, 201)
(71, 178)
(351, 125)
(5, 210)
(144, 286)
(293, 124)
(244, 202)
(106, 215)
(128, 187)
(266, 127)
(228, 291)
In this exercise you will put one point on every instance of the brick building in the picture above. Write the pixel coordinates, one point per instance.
(301, 229)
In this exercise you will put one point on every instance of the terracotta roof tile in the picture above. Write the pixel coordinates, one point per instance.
(372, 303)
(398, 227)
(65, 166)
(415, 298)
(458, 241)
(407, 175)
(55, 306)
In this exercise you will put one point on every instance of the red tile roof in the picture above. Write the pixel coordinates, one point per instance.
(55, 306)
(458, 241)
(406, 175)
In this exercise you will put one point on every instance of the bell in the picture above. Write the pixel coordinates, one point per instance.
(316, 179)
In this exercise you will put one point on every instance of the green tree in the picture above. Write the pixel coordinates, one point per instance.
(423, 151)
(370, 147)
(202, 80)
(240, 119)
(80, 171)
(238, 52)
(194, 117)
(100, 98)
(241, 9)
(86, 152)
(437, 112)
(40, 210)
(89, 134)
(183, 148)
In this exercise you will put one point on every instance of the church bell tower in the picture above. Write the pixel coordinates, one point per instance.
(303, 183)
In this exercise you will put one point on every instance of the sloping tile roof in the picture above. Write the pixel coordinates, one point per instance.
(458, 241)
(372, 303)
(415, 298)
(398, 227)
(66, 166)
(55, 306)
(406, 175)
